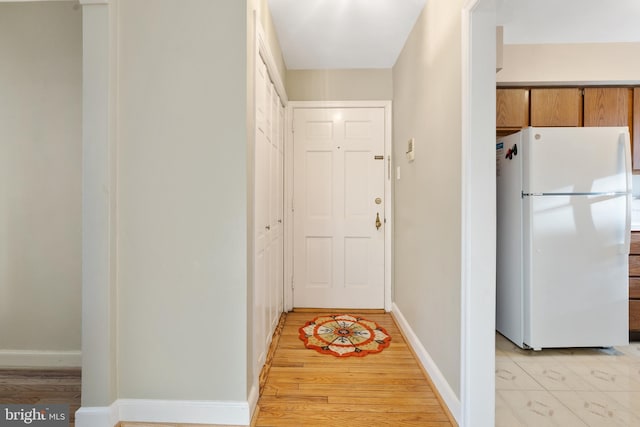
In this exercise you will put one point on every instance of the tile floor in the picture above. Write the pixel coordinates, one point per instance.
(567, 387)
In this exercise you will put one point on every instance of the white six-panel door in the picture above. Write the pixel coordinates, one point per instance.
(269, 213)
(338, 196)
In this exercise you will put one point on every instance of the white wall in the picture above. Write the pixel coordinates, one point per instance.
(40, 178)
(182, 204)
(340, 85)
(427, 107)
(570, 63)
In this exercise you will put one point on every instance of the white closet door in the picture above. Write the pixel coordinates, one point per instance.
(279, 265)
(261, 213)
(276, 227)
(268, 226)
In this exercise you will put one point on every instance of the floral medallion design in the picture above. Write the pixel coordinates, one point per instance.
(344, 335)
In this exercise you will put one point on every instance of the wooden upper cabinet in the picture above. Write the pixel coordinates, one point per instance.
(608, 106)
(512, 108)
(611, 106)
(635, 130)
(572, 106)
(556, 107)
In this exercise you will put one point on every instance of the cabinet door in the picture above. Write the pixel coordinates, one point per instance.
(556, 107)
(611, 106)
(512, 108)
(634, 248)
(634, 265)
(634, 315)
(634, 288)
(635, 131)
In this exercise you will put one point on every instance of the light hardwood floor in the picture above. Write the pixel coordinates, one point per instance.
(40, 386)
(303, 388)
(306, 388)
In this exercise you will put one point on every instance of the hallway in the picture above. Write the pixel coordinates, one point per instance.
(306, 388)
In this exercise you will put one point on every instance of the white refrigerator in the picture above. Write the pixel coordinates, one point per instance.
(564, 217)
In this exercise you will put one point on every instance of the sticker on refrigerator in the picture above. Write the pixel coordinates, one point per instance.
(499, 154)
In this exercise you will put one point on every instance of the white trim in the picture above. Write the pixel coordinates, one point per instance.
(254, 395)
(36, 358)
(570, 83)
(388, 214)
(478, 214)
(465, 276)
(102, 416)
(341, 104)
(437, 377)
(39, 1)
(99, 195)
(288, 208)
(288, 178)
(92, 2)
(166, 411)
(264, 51)
(184, 411)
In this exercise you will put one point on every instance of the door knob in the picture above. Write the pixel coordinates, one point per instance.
(378, 223)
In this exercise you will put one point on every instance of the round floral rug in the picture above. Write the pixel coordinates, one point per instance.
(344, 335)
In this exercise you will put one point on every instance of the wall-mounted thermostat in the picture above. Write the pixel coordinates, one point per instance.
(411, 145)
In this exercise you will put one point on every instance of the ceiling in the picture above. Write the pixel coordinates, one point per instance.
(326, 34)
(569, 21)
(319, 34)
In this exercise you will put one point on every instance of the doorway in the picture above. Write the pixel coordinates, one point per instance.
(338, 209)
(41, 184)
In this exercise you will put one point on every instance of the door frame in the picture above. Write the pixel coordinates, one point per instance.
(288, 191)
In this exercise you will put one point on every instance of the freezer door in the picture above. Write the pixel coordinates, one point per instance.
(576, 282)
(576, 160)
(509, 239)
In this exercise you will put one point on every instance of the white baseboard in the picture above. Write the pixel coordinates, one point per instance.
(96, 416)
(254, 395)
(446, 392)
(167, 411)
(40, 359)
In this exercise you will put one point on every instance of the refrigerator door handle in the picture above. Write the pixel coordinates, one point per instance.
(625, 249)
(624, 142)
